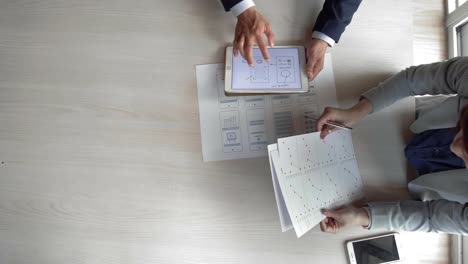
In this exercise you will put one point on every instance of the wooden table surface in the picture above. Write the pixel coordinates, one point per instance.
(100, 152)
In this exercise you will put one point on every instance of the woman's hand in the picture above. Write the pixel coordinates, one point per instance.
(346, 217)
(347, 117)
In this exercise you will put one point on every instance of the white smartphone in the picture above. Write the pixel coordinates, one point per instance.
(283, 73)
(376, 250)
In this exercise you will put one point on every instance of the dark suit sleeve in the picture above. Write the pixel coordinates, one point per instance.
(335, 16)
(228, 4)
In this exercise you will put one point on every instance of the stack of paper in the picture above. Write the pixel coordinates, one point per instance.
(310, 174)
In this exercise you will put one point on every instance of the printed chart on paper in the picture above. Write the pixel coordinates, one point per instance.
(243, 126)
(310, 174)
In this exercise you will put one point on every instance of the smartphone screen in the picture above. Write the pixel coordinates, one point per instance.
(377, 250)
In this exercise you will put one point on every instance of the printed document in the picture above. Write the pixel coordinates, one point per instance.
(236, 127)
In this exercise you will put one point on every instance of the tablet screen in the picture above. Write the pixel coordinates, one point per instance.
(282, 72)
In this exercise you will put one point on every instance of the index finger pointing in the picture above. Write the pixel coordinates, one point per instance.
(263, 48)
(248, 51)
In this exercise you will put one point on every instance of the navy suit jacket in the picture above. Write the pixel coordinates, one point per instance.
(332, 20)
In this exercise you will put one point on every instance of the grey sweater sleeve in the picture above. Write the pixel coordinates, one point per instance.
(447, 77)
(431, 216)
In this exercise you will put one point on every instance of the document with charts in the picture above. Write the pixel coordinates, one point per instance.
(243, 126)
(310, 174)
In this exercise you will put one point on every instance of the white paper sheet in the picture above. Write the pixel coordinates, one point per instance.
(313, 174)
(285, 219)
(243, 126)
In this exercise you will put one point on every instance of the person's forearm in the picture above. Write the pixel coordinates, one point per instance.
(335, 16)
(431, 216)
(435, 78)
(361, 110)
(248, 13)
(242, 7)
(235, 6)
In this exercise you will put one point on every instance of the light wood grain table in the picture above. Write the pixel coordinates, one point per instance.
(100, 152)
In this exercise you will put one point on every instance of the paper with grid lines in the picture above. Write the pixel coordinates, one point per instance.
(310, 174)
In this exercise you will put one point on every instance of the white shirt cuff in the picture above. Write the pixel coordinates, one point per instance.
(241, 7)
(324, 37)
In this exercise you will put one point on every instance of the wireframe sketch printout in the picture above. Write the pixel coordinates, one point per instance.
(235, 127)
(310, 174)
(282, 71)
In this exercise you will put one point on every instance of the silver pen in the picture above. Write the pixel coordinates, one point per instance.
(331, 123)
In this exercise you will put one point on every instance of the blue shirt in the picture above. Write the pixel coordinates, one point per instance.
(430, 151)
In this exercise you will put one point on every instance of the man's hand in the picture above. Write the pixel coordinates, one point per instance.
(251, 26)
(346, 217)
(316, 49)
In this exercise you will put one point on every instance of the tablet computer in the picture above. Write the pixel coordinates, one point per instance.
(284, 73)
